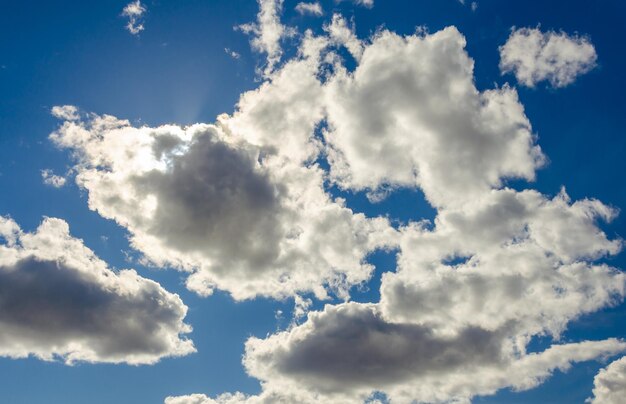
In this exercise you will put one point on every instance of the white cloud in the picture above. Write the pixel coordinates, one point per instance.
(609, 385)
(238, 203)
(529, 266)
(242, 205)
(344, 353)
(66, 112)
(134, 11)
(410, 115)
(534, 56)
(49, 178)
(268, 32)
(364, 3)
(341, 34)
(232, 53)
(309, 8)
(450, 331)
(60, 301)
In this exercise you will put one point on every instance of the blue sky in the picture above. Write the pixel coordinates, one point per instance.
(176, 71)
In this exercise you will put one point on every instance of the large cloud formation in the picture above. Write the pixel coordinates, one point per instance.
(410, 115)
(241, 203)
(59, 301)
(497, 267)
(534, 56)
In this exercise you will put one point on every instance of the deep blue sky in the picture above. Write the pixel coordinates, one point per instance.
(78, 52)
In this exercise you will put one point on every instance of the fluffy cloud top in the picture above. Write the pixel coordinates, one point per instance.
(410, 115)
(528, 265)
(609, 385)
(60, 301)
(535, 56)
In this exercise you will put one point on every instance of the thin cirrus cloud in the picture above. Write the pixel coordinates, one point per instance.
(496, 268)
(534, 56)
(61, 302)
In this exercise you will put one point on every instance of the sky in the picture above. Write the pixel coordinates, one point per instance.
(275, 201)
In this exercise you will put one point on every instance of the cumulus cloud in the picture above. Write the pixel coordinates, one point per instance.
(242, 205)
(239, 203)
(60, 301)
(51, 179)
(528, 264)
(345, 352)
(134, 11)
(609, 385)
(497, 268)
(534, 56)
(309, 8)
(410, 115)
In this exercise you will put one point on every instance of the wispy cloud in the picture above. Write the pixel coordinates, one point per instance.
(134, 11)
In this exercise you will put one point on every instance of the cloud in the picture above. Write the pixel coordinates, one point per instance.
(49, 178)
(528, 264)
(232, 53)
(65, 112)
(239, 203)
(497, 267)
(268, 32)
(60, 301)
(309, 8)
(341, 34)
(534, 56)
(134, 11)
(348, 351)
(609, 385)
(395, 122)
(364, 3)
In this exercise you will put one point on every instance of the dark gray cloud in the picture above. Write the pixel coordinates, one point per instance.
(353, 346)
(58, 300)
(213, 200)
(346, 352)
